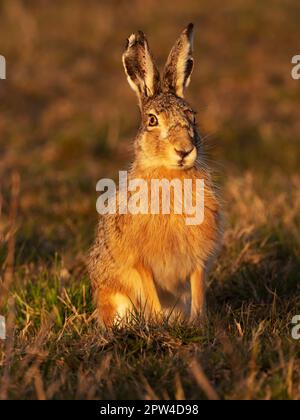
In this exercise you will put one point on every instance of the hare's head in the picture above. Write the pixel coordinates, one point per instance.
(168, 135)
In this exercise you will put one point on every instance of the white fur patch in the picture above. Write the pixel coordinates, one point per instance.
(149, 72)
(123, 305)
(181, 66)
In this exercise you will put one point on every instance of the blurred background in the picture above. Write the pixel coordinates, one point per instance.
(68, 118)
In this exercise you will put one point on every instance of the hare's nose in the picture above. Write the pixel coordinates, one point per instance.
(183, 153)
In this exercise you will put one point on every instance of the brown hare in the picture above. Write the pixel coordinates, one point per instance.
(157, 263)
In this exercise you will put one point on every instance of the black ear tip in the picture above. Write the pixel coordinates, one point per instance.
(141, 36)
(190, 28)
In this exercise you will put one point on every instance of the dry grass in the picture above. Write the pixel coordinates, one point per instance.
(63, 126)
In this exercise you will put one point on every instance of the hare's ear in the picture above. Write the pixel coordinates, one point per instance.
(141, 71)
(180, 63)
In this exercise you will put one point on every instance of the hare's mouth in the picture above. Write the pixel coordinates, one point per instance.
(181, 164)
(185, 166)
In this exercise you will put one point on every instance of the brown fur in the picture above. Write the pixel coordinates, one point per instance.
(158, 262)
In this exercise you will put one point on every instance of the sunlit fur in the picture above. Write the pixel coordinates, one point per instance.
(157, 263)
(156, 146)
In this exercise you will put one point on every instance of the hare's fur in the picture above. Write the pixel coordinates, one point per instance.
(156, 262)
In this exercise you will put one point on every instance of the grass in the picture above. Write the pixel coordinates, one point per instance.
(63, 127)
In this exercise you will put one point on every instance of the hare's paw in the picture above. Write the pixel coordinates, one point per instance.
(114, 308)
(199, 318)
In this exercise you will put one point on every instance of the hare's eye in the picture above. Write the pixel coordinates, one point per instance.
(153, 121)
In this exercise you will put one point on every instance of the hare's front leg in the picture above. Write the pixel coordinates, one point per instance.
(113, 306)
(198, 292)
(152, 302)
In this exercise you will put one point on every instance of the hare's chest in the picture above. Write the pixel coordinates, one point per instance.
(170, 248)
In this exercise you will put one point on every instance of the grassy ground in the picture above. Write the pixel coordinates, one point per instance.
(63, 126)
